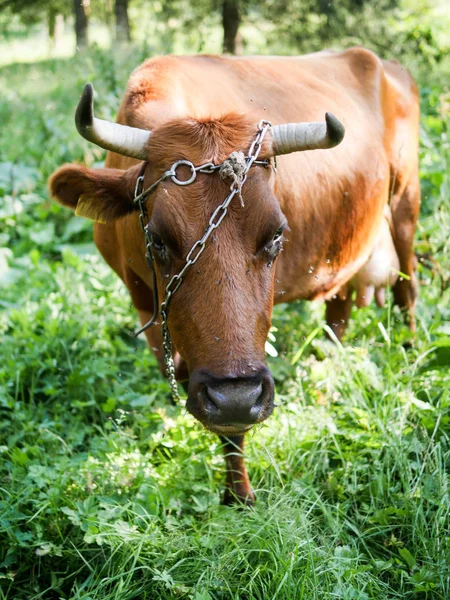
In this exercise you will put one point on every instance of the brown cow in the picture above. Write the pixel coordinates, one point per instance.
(351, 210)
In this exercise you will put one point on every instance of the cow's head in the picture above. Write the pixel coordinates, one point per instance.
(220, 316)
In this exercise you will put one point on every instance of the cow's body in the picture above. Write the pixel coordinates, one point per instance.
(351, 210)
(334, 201)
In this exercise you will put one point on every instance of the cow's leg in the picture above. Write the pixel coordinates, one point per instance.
(338, 312)
(405, 211)
(154, 337)
(154, 340)
(238, 488)
(142, 297)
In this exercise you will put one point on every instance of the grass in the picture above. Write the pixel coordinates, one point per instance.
(108, 492)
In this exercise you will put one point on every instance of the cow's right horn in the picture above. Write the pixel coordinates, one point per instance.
(295, 137)
(129, 141)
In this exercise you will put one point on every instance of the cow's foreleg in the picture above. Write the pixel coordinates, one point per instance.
(238, 488)
(142, 297)
(338, 313)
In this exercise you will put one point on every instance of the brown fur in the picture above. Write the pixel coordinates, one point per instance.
(199, 140)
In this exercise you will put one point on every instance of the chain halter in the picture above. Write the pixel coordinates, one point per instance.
(196, 250)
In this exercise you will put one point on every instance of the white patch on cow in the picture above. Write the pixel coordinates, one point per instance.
(380, 270)
(369, 274)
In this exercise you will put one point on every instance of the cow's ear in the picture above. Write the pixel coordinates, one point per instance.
(102, 195)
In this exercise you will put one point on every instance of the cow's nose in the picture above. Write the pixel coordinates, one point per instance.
(234, 402)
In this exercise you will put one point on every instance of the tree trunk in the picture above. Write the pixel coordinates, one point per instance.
(122, 23)
(81, 23)
(51, 22)
(230, 21)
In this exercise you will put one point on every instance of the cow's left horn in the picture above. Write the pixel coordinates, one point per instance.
(129, 141)
(295, 137)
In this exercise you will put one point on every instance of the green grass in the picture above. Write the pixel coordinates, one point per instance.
(109, 492)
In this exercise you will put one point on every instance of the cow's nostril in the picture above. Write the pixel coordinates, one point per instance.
(247, 395)
(209, 404)
(234, 402)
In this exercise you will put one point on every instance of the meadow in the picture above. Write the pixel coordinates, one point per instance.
(110, 492)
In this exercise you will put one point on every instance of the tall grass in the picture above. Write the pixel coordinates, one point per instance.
(108, 492)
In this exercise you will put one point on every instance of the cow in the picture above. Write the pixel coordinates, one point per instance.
(319, 216)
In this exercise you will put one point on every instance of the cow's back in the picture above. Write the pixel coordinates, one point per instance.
(281, 88)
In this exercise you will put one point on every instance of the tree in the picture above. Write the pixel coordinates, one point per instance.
(231, 19)
(81, 23)
(308, 25)
(122, 22)
(35, 11)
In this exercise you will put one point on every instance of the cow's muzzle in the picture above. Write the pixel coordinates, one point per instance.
(230, 405)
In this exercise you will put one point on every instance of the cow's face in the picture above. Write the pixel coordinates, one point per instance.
(220, 315)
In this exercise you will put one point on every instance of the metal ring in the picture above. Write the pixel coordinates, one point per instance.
(174, 177)
(139, 180)
(264, 123)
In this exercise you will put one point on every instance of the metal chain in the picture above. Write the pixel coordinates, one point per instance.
(194, 253)
(143, 221)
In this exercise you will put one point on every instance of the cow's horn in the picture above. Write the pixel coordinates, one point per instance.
(294, 137)
(129, 141)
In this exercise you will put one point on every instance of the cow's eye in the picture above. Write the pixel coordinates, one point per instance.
(274, 247)
(158, 245)
(278, 237)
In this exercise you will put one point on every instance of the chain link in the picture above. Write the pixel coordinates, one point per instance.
(194, 253)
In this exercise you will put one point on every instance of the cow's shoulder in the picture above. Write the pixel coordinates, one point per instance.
(160, 89)
(149, 80)
(160, 71)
